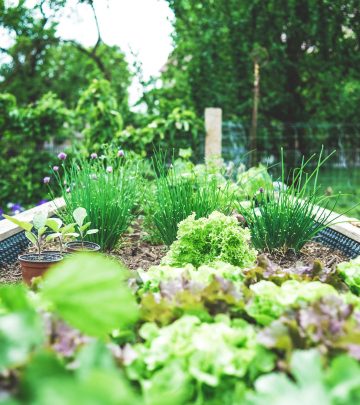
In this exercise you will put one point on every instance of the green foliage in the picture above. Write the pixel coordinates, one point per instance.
(312, 384)
(79, 216)
(180, 194)
(23, 131)
(311, 53)
(107, 189)
(203, 356)
(291, 216)
(350, 272)
(89, 293)
(205, 240)
(37, 61)
(39, 222)
(254, 179)
(61, 232)
(180, 128)
(101, 122)
(20, 327)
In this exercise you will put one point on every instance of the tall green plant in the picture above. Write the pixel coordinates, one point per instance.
(178, 196)
(108, 190)
(291, 216)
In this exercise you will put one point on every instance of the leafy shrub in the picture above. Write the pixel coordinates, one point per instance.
(206, 240)
(198, 358)
(98, 111)
(178, 196)
(179, 129)
(350, 272)
(290, 217)
(23, 132)
(107, 189)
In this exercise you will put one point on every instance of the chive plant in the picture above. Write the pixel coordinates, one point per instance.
(107, 189)
(178, 195)
(289, 217)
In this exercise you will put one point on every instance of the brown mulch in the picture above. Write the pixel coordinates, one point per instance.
(312, 250)
(10, 273)
(135, 252)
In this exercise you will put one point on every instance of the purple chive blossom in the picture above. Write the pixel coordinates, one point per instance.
(261, 190)
(109, 169)
(94, 155)
(56, 168)
(46, 180)
(121, 153)
(62, 155)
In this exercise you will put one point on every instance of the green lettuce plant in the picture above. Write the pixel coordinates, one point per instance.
(270, 301)
(350, 272)
(206, 240)
(208, 358)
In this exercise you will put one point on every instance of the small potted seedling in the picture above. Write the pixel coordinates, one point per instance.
(82, 230)
(35, 264)
(61, 232)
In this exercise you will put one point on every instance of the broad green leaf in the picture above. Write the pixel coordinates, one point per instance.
(42, 230)
(40, 219)
(90, 293)
(47, 381)
(20, 327)
(31, 237)
(24, 225)
(92, 231)
(54, 224)
(68, 228)
(85, 226)
(79, 215)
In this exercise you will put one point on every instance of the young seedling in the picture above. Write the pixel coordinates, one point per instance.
(82, 229)
(60, 232)
(38, 223)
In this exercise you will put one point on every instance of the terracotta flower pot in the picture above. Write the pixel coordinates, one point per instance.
(73, 247)
(34, 265)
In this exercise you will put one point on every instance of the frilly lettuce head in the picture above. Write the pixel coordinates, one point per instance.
(204, 274)
(207, 240)
(271, 301)
(207, 354)
(350, 272)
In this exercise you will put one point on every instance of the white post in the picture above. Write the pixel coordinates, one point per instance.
(213, 127)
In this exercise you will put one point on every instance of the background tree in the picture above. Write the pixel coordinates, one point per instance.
(36, 61)
(313, 48)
